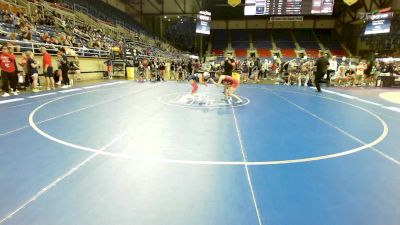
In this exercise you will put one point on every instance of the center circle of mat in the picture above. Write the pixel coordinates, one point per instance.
(365, 146)
(201, 101)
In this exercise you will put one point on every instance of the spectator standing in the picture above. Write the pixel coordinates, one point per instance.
(24, 65)
(256, 69)
(172, 70)
(64, 68)
(196, 66)
(76, 66)
(141, 70)
(190, 67)
(33, 70)
(48, 69)
(8, 72)
(59, 72)
(162, 70)
(369, 73)
(332, 68)
(245, 71)
(109, 68)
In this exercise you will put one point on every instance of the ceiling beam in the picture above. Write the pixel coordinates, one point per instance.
(365, 6)
(179, 6)
(133, 7)
(155, 6)
(370, 5)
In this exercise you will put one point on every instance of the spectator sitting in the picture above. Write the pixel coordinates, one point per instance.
(7, 17)
(97, 44)
(46, 37)
(26, 33)
(62, 39)
(74, 42)
(68, 41)
(35, 17)
(54, 40)
(14, 46)
(17, 21)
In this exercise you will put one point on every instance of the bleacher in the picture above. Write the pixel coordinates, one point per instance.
(306, 39)
(288, 53)
(240, 39)
(240, 53)
(328, 40)
(312, 53)
(283, 39)
(106, 20)
(218, 52)
(96, 9)
(263, 44)
(264, 53)
(261, 39)
(219, 41)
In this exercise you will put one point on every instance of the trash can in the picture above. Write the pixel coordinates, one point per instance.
(130, 73)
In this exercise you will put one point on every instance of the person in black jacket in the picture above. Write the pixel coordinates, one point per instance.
(190, 67)
(322, 67)
(229, 64)
(64, 67)
(256, 69)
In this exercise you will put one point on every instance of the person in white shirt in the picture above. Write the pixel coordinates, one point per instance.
(264, 69)
(305, 69)
(360, 73)
(332, 68)
(340, 76)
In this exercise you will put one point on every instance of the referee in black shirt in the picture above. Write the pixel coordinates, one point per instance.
(322, 67)
(229, 64)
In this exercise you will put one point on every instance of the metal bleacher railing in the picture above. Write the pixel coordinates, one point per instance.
(52, 49)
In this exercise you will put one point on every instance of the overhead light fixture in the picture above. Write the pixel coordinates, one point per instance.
(165, 17)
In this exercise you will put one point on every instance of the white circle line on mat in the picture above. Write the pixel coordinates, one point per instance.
(207, 162)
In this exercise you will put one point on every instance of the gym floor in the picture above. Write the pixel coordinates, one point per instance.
(148, 154)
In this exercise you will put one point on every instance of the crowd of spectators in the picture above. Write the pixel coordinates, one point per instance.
(49, 27)
(56, 35)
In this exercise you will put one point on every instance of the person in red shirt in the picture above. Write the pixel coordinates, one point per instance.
(8, 71)
(48, 69)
